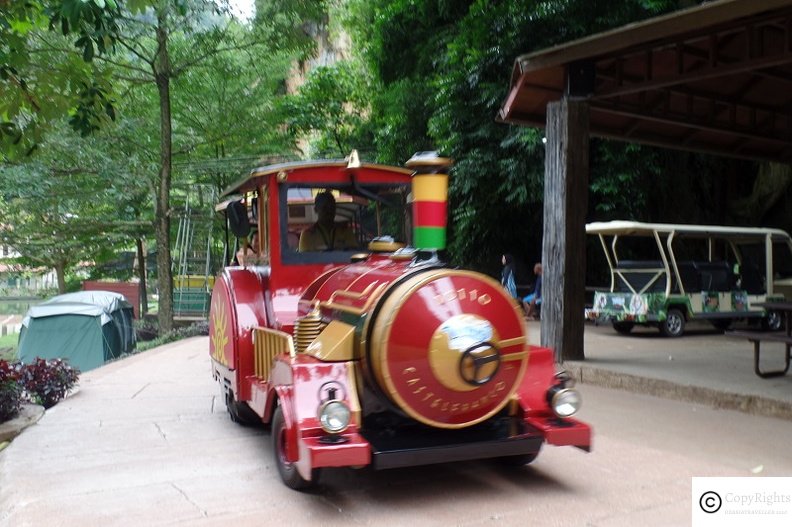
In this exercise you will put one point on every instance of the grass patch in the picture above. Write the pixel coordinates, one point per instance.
(8, 347)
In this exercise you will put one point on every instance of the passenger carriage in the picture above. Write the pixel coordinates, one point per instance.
(690, 272)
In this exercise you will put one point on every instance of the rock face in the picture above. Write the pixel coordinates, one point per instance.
(331, 47)
(28, 415)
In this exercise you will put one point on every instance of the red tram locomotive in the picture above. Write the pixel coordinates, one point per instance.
(381, 356)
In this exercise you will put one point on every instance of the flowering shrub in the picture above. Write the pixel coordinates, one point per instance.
(10, 391)
(47, 381)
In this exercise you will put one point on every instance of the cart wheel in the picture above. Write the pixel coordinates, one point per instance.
(288, 471)
(623, 328)
(772, 322)
(722, 324)
(674, 324)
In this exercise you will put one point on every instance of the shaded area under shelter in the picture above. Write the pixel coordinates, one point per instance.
(715, 78)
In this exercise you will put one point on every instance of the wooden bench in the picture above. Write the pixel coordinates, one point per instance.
(757, 337)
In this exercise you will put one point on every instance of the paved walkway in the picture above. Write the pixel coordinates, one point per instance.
(168, 402)
(703, 366)
(130, 438)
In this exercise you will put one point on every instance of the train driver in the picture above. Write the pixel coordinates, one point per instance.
(325, 234)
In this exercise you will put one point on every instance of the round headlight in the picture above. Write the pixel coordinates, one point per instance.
(334, 417)
(566, 402)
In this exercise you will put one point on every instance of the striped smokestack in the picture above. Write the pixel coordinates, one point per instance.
(430, 199)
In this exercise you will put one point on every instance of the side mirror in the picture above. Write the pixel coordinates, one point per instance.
(238, 220)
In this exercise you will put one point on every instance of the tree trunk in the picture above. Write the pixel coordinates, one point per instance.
(770, 185)
(141, 258)
(60, 273)
(162, 212)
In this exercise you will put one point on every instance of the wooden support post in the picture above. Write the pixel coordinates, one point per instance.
(564, 237)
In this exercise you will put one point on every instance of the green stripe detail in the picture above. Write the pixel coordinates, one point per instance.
(430, 238)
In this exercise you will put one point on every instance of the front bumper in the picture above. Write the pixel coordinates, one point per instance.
(416, 444)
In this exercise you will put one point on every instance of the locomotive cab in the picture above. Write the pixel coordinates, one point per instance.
(336, 322)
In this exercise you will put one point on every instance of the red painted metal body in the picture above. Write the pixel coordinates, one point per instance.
(407, 317)
(420, 307)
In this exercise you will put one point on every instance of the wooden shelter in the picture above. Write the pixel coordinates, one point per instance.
(715, 78)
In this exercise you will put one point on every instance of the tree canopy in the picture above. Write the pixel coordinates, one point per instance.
(155, 95)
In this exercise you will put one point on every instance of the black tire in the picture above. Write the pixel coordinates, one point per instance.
(288, 471)
(722, 324)
(240, 412)
(773, 321)
(516, 461)
(674, 324)
(623, 328)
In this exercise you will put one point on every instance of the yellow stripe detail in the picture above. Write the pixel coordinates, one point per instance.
(505, 343)
(267, 344)
(430, 187)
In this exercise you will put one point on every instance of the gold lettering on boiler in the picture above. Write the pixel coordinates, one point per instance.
(463, 294)
(447, 406)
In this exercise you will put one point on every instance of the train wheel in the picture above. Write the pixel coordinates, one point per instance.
(240, 412)
(287, 470)
(517, 461)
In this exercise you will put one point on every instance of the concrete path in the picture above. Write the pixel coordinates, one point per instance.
(703, 366)
(128, 441)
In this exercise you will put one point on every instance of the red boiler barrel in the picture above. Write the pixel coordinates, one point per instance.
(448, 347)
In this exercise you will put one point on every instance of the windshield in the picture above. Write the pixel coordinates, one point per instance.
(321, 223)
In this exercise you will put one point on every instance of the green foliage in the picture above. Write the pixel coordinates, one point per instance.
(71, 202)
(396, 130)
(220, 79)
(444, 67)
(93, 103)
(43, 80)
(95, 22)
(620, 175)
(422, 75)
(224, 107)
(330, 106)
(294, 22)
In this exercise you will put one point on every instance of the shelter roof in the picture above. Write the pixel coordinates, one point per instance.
(713, 78)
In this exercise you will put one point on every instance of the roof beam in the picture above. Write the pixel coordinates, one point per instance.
(730, 102)
(768, 73)
(707, 72)
(781, 155)
(686, 122)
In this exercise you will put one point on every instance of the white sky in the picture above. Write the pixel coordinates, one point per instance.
(243, 9)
